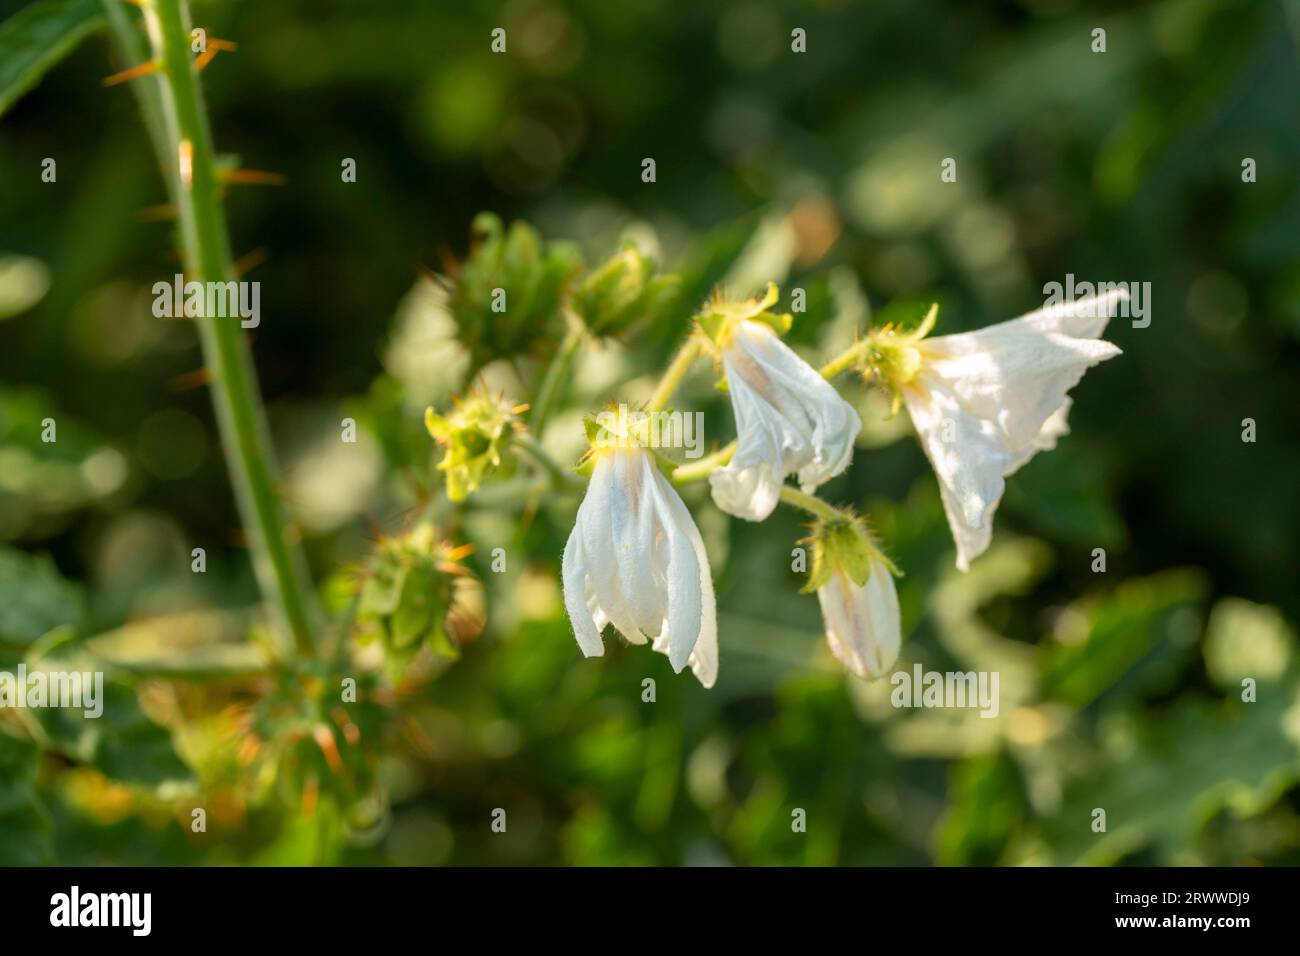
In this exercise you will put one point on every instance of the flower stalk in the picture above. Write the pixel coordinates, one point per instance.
(699, 470)
(674, 374)
(190, 171)
(846, 360)
(810, 503)
(557, 375)
(559, 476)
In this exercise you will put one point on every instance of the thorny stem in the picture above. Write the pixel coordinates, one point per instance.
(190, 172)
(557, 374)
(132, 49)
(674, 374)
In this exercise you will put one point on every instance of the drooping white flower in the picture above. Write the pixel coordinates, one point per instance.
(863, 626)
(789, 420)
(635, 559)
(855, 588)
(983, 403)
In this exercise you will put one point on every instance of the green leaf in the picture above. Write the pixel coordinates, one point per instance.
(1247, 640)
(34, 598)
(1161, 783)
(46, 481)
(1065, 495)
(39, 36)
(195, 645)
(382, 591)
(1129, 643)
(533, 276)
(24, 827)
(122, 743)
(986, 808)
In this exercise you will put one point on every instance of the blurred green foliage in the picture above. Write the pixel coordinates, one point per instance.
(1119, 690)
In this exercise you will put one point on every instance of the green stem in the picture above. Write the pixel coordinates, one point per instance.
(810, 503)
(697, 470)
(559, 475)
(845, 360)
(557, 376)
(132, 50)
(676, 371)
(280, 566)
(510, 493)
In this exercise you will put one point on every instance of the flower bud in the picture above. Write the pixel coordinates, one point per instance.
(855, 588)
(508, 296)
(474, 433)
(623, 291)
(894, 358)
(416, 594)
(720, 316)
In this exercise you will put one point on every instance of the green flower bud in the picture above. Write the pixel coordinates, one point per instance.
(893, 357)
(718, 318)
(415, 594)
(508, 296)
(623, 291)
(843, 545)
(474, 434)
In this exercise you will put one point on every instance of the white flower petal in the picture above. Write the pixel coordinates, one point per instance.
(1056, 426)
(636, 559)
(703, 658)
(606, 495)
(684, 611)
(585, 628)
(863, 624)
(749, 491)
(969, 458)
(633, 534)
(1078, 318)
(986, 402)
(788, 419)
(1012, 374)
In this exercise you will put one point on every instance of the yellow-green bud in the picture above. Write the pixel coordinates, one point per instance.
(719, 316)
(474, 434)
(623, 291)
(842, 545)
(508, 296)
(416, 594)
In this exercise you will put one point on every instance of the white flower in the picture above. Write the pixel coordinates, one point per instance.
(984, 403)
(788, 419)
(863, 626)
(635, 559)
